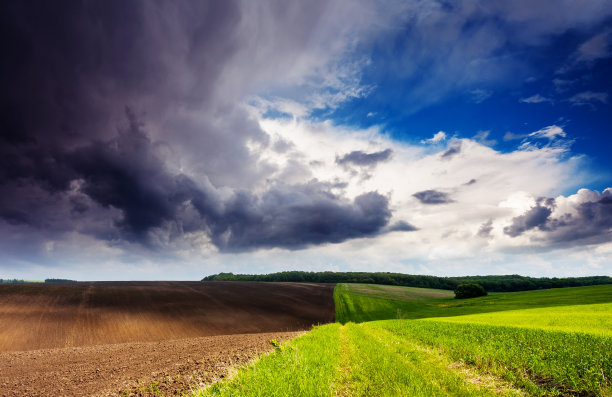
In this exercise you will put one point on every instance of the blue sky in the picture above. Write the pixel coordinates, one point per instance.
(548, 83)
(161, 140)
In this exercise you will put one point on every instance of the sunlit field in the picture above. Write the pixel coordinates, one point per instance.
(552, 349)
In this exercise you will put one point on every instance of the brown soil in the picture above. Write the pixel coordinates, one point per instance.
(41, 316)
(174, 366)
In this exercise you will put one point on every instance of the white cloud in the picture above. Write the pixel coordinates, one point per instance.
(437, 138)
(482, 137)
(597, 47)
(553, 135)
(537, 98)
(504, 189)
(480, 95)
(511, 136)
(551, 132)
(588, 98)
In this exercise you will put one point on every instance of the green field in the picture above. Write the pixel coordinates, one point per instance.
(545, 342)
(366, 302)
(593, 319)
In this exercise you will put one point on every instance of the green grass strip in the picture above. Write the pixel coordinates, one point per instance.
(542, 362)
(352, 360)
(385, 364)
(306, 366)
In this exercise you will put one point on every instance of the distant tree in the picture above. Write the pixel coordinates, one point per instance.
(12, 281)
(58, 280)
(464, 291)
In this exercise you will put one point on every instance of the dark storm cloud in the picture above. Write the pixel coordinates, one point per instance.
(294, 217)
(71, 162)
(127, 174)
(402, 226)
(360, 158)
(486, 229)
(433, 197)
(535, 217)
(588, 222)
(452, 151)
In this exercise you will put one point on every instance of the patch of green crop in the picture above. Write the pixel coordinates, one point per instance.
(353, 360)
(542, 362)
(385, 364)
(559, 343)
(593, 319)
(364, 302)
(306, 366)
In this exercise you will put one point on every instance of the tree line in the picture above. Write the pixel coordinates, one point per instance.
(505, 283)
(47, 280)
(58, 280)
(11, 281)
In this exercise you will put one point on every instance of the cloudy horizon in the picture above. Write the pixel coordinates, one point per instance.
(156, 140)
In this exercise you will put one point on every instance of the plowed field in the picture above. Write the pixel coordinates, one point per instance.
(144, 338)
(39, 316)
(133, 369)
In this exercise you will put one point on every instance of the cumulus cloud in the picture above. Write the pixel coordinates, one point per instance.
(294, 217)
(437, 138)
(433, 197)
(360, 158)
(214, 156)
(536, 216)
(126, 177)
(583, 218)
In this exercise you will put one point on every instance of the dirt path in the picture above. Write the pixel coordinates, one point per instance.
(176, 365)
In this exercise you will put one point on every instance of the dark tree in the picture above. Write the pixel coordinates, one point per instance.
(464, 291)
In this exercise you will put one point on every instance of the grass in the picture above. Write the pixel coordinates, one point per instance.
(364, 302)
(592, 319)
(351, 360)
(526, 343)
(304, 367)
(539, 361)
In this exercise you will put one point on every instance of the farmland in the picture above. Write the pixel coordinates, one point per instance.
(39, 316)
(441, 346)
(362, 302)
(249, 338)
(94, 338)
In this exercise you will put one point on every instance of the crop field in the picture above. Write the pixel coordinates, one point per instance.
(535, 343)
(38, 316)
(144, 338)
(363, 302)
(248, 339)
(591, 319)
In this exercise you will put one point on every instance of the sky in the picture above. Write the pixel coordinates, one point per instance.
(170, 140)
